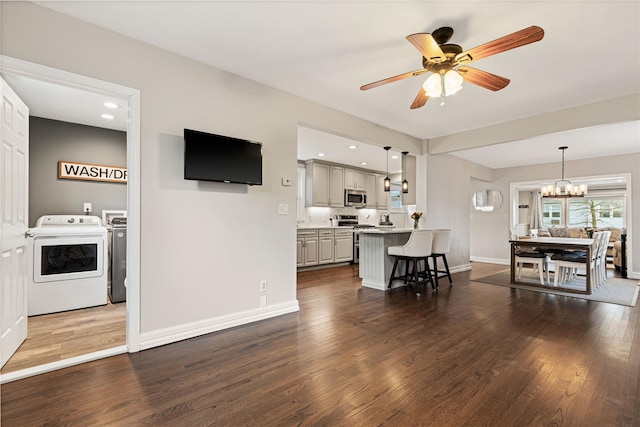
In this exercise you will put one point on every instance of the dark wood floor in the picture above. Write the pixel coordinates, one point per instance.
(470, 355)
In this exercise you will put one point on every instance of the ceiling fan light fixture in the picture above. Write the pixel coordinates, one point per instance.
(433, 85)
(451, 81)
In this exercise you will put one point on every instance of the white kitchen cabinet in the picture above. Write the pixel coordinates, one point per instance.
(381, 197)
(325, 246)
(343, 241)
(336, 185)
(307, 248)
(324, 185)
(376, 196)
(370, 188)
(354, 179)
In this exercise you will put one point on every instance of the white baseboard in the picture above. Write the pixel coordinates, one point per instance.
(65, 363)
(633, 275)
(498, 261)
(459, 268)
(214, 324)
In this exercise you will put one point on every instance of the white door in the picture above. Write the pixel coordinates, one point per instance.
(14, 185)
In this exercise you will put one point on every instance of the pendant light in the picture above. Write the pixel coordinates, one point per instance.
(405, 183)
(387, 181)
(563, 188)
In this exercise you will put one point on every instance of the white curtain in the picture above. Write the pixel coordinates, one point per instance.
(536, 210)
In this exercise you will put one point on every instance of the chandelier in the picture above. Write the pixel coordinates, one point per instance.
(563, 188)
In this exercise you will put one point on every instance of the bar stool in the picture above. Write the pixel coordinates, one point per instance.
(440, 247)
(417, 249)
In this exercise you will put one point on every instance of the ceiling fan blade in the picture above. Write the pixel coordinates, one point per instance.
(427, 46)
(393, 79)
(519, 38)
(483, 78)
(420, 100)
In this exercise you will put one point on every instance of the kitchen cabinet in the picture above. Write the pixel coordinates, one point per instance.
(324, 185)
(307, 248)
(370, 188)
(325, 246)
(381, 195)
(354, 179)
(376, 196)
(343, 241)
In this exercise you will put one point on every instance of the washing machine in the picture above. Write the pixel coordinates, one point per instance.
(67, 264)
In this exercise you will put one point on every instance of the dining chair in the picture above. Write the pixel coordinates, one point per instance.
(417, 248)
(539, 260)
(568, 264)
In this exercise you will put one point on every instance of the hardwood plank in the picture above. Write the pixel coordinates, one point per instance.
(58, 336)
(472, 354)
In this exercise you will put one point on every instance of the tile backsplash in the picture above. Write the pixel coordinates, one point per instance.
(324, 216)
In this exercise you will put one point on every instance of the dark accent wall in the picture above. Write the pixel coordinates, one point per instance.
(51, 141)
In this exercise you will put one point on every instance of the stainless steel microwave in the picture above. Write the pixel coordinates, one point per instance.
(355, 198)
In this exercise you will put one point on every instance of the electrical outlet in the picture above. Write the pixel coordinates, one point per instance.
(263, 300)
(263, 286)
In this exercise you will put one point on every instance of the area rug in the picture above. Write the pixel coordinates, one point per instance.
(614, 290)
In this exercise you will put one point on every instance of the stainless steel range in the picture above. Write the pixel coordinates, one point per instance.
(352, 221)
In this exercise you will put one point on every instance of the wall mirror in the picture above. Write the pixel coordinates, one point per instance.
(487, 200)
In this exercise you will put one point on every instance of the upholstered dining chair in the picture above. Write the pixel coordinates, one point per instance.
(439, 248)
(417, 248)
(538, 259)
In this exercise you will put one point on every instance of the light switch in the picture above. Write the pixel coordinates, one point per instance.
(286, 182)
(283, 209)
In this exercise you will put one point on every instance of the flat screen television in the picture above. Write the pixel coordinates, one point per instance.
(210, 157)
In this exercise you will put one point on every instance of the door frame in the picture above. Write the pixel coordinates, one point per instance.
(10, 65)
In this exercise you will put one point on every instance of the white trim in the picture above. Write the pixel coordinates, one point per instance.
(15, 66)
(459, 268)
(60, 364)
(193, 329)
(498, 261)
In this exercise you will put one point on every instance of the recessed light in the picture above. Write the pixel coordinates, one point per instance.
(107, 116)
(364, 163)
(320, 154)
(353, 147)
(111, 105)
(394, 156)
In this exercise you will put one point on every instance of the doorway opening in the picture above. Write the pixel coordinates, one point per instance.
(131, 104)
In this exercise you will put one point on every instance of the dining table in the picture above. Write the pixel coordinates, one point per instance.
(552, 245)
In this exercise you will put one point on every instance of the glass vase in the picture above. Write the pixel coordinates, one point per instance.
(415, 224)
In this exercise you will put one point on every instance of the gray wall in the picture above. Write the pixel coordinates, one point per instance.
(51, 141)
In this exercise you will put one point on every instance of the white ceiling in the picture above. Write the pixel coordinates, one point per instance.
(325, 50)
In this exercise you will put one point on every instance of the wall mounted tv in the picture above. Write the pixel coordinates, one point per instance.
(210, 157)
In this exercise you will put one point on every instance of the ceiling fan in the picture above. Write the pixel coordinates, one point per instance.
(445, 61)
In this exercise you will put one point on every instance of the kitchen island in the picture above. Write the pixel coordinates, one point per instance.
(375, 263)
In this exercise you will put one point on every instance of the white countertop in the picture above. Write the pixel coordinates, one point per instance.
(385, 230)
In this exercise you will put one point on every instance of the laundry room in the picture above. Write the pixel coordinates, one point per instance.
(76, 246)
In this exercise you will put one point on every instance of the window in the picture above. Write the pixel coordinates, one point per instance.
(552, 213)
(396, 196)
(597, 212)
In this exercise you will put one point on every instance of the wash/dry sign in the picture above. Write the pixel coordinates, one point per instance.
(90, 172)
